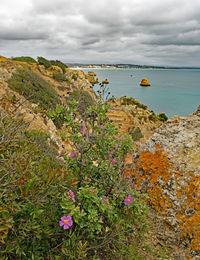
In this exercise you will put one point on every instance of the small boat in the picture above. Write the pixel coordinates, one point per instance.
(145, 83)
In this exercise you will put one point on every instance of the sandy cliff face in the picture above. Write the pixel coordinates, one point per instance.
(132, 118)
(14, 103)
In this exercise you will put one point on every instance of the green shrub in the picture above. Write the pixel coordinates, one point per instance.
(136, 134)
(59, 76)
(59, 64)
(153, 118)
(33, 88)
(43, 61)
(25, 59)
(162, 117)
(84, 100)
(32, 181)
(74, 77)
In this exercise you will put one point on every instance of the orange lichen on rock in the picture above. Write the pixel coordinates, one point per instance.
(152, 174)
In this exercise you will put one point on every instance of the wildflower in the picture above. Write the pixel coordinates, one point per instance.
(72, 195)
(73, 154)
(66, 222)
(102, 126)
(114, 160)
(111, 153)
(103, 198)
(128, 200)
(83, 128)
(116, 146)
(138, 143)
(59, 155)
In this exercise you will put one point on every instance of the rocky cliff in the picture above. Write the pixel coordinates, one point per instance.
(167, 168)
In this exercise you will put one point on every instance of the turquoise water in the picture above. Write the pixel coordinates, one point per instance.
(174, 92)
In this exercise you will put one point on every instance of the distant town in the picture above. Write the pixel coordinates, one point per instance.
(123, 66)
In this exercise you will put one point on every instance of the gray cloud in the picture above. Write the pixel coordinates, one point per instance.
(131, 31)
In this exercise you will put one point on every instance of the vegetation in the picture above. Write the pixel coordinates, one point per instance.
(33, 88)
(84, 100)
(25, 59)
(136, 134)
(49, 63)
(59, 76)
(132, 101)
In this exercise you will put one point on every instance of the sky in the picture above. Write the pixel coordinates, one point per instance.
(151, 32)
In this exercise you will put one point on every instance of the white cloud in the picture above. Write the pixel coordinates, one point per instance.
(131, 31)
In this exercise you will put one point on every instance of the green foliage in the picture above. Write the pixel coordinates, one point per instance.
(59, 64)
(162, 117)
(74, 77)
(33, 88)
(42, 61)
(49, 63)
(132, 101)
(31, 184)
(84, 100)
(59, 76)
(25, 59)
(153, 118)
(101, 219)
(137, 134)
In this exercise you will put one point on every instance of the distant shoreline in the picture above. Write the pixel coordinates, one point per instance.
(134, 68)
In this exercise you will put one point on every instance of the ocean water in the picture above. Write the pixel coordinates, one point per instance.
(174, 92)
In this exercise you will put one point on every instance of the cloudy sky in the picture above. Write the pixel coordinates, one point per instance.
(153, 32)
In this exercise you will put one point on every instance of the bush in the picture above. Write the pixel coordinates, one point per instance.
(137, 134)
(84, 100)
(59, 64)
(33, 88)
(42, 61)
(25, 59)
(31, 186)
(102, 206)
(59, 76)
(162, 117)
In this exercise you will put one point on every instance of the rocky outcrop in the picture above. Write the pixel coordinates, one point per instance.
(133, 118)
(145, 83)
(167, 168)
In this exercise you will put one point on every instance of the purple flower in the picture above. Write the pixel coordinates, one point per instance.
(114, 160)
(72, 195)
(103, 198)
(116, 146)
(102, 126)
(83, 128)
(72, 155)
(111, 153)
(66, 222)
(128, 200)
(59, 155)
(138, 143)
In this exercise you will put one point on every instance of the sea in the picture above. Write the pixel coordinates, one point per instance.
(172, 91)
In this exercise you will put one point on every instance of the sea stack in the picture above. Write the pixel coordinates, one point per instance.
(145, 83)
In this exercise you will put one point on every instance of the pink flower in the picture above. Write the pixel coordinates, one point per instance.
(114, 160)
(103, 198)
(102, 126)
(66, 222)
(116, 146)
(73, 154)
(83, 128)
(111, 153)
(59, 155)
(128, 200)
(72, 195)
(138, 143)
